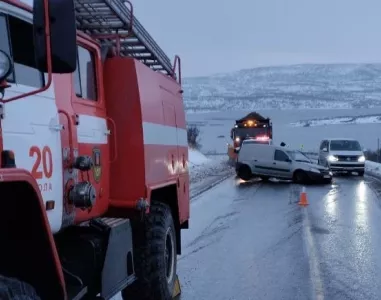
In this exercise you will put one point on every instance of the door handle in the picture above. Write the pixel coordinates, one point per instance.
(114, 139)
(274, 163)
(255, 160)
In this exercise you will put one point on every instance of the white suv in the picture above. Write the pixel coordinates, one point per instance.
(342, 155)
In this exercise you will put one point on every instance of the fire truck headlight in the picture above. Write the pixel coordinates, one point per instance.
(237, 139)
(5, 65)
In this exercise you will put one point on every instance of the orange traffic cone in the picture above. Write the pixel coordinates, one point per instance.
(303, 198)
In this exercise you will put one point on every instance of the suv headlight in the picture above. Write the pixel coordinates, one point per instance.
(332, 158)
(361, 158)
(314, 170)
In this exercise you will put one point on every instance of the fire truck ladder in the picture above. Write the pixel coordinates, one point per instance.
(102, 19)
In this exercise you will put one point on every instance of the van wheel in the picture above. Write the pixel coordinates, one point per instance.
(300, 177)
(244, 172)
(12, 288)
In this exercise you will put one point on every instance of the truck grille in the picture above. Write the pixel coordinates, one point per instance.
(360, 165)
(348, 157)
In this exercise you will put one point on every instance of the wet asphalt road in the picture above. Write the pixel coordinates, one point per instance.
(252, 241)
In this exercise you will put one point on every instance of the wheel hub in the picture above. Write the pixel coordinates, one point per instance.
(169, 255)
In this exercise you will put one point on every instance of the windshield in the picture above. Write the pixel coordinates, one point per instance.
(298, 156)
(250, 132)
(345, 145)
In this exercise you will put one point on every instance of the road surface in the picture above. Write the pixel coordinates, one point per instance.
(253, 241)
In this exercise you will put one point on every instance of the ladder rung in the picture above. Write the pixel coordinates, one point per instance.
(110, 25)
(96, 17)
(135, 51)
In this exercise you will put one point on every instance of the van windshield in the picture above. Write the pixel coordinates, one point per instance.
(345, 145)
(298, 156)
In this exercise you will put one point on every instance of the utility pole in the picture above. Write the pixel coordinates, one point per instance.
(378, 150)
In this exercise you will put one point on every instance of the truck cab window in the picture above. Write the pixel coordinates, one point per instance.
(280, 156)
(16, 38)
(85, 75)
(4, 41)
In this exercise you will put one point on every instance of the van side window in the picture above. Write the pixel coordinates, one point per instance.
(84, 79)
(280, 156)
(16, 38)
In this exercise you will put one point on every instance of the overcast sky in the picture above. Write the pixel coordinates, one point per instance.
(215, 36)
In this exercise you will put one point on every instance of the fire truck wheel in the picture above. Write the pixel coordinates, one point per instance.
(12, 289)
(155, 256)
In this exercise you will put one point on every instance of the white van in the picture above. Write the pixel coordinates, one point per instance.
(265, 161)
(342, 155)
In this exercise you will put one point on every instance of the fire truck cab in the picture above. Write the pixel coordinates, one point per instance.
(94, 182)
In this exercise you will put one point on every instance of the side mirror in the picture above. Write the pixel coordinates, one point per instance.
(288, 160)
(63, 35)
(325, 149)
(6, 66)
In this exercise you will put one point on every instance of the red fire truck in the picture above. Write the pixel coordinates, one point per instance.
(94, 179)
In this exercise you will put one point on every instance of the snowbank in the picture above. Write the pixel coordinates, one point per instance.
(373, 168)
(205, 172)
(201, 166)
(196, 158)
(338, 121)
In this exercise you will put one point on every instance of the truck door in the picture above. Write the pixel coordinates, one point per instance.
(30, 126)
(92, 131)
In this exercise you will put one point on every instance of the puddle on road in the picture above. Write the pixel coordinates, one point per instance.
(319, 230)
(294, 193)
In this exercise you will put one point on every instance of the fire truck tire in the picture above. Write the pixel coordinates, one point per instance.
(14, 289)
(155, 256)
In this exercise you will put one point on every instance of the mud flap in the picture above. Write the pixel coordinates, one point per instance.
(177, 289)
(118, 271)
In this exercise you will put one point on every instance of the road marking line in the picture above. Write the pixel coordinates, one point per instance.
(315, 275)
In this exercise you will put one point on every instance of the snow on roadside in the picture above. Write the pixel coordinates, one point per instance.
(197, 159)
(338, 121)
(205, 172)
(201, 167)
(373, 168)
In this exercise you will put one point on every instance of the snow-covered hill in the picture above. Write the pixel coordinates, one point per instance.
(286, 87)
